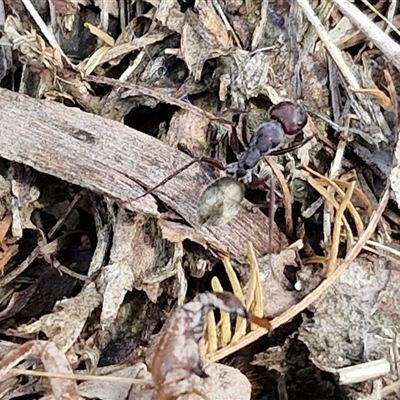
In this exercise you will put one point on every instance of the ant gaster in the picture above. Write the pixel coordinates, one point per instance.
(222, 200)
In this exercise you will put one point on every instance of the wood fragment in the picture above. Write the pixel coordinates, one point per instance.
(109, 158)
(363, 372)
(389, 48)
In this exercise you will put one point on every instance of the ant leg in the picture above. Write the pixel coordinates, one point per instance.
(243, 124)
(168, 178)
(207, 160)
(242, 139)
(263, 185)
(271, 216)
(240, 127)
(234, 142)
(215, 163)
(258, 182)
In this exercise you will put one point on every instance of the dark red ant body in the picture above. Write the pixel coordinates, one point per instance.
(221, 201)
(286, 119)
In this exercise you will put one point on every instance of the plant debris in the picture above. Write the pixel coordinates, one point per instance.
(241, 154)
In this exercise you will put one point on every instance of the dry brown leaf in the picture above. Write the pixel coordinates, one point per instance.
(252, 73)
(4, 227)
(80, 91)
(245, 75)
(53, 360)
(314, 76)
(105, 37)
(31, 44)
(169, 14)
(95, 60)
(225, 382)
(189, 130)
(357, 317)
(65, 325)
(176, 232)
(118, 391)
(66, 7)
(108, 6)
(208, 25)
(17, 301)
(120, 50)
(277, 295)
(138, 256)
(196, 51)
(374, 127)
(174, 358)
(7, 256)
(203, 34)
(380, 96)
(7, 252)
(24, 201)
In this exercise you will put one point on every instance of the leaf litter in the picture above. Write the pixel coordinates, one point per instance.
(91, 288)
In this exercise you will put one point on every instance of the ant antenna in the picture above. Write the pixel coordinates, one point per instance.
(336, 126)
(207, 160)
(168, 178)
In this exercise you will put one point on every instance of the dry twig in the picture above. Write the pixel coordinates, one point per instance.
(320, 290)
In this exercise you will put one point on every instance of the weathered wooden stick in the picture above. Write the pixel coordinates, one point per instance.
(110, 158)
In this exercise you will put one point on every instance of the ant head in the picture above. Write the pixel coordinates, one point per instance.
(292, 116)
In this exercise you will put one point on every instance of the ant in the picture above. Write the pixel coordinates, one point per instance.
(222, 200)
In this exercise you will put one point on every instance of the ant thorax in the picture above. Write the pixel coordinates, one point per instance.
(233, 168)
(268, 137)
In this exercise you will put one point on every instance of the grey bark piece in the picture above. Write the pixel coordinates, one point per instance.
(110, 158)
